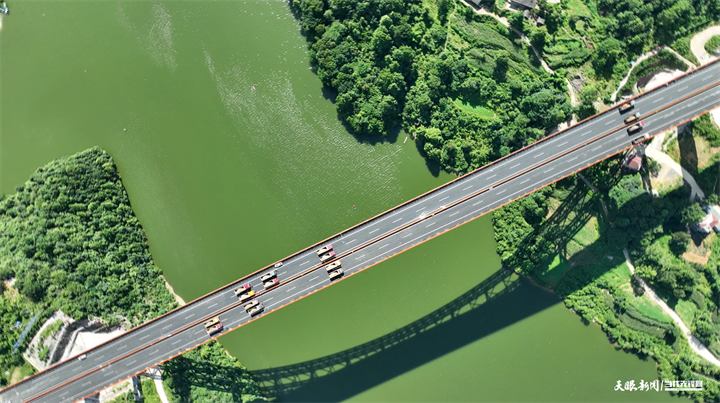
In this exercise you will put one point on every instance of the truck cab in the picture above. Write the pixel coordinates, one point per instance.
(271, 283)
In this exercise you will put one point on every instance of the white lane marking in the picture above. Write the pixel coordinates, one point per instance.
(274, 297)
(549, 170)
(706, 78)
(63, 394)
(397, 220)
(658, 100)
(467, 215)
(585, 134)
(133, 362)
(349, 242)
(693, 104)
(417, 211)
(387, 244)
(375, 230)
(122, 347)
(291, 289)
(682, 88)
(57, 377)
(573, 159)
(74, 370)
(303, 264)
(560, 145)
(176, 342)
(282, 272)
(86, 383)
(539, 154)
(490, 177)
(453, 214)
(431, 224)
(100, 358)
(147, 335)
(308, 280)
(360, 257)
(464, 189)
(406, 236)
(526, 180)
(213, 305)
(187, 317)
(444, 198)
(609, 123)
(596, 148)
(502, 191)
(476, 203)
(514, 166)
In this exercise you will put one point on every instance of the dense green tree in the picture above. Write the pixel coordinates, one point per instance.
(693, 214)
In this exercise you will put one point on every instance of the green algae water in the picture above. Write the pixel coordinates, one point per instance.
(233, 157)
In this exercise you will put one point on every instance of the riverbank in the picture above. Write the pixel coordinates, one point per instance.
(577, 251)
(178, 298)
(83, 182)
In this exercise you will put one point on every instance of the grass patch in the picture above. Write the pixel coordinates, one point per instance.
(619, 275)
(588, 234)
(648, 308)
(18, 373)
(554, 271)
(490, 39)
(479, 110)
(50, 330)
(150, 394)
(686, 311)
(673, 150)
(578, 10)
(712, 46)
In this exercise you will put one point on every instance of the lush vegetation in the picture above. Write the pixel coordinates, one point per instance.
(706, 128)
(543, 233)
(191, 379)
(72, 242)
(597, 40)
(713, 44)
(401, 63)
(663, 60)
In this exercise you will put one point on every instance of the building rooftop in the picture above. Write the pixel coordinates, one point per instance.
(525, 3)
(634, 162)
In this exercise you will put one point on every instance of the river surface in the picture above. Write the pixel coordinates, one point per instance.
(227, 178)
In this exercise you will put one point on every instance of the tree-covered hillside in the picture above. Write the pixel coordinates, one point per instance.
(465, 85)
(70, 238)
(72, 242)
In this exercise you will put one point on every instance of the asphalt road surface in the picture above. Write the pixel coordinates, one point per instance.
(365, 245)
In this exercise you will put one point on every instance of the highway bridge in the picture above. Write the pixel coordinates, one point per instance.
(379, 238)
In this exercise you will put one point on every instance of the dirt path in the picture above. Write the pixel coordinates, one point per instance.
(645, 56)
(665, 160)
(697, 43)
(695, 344)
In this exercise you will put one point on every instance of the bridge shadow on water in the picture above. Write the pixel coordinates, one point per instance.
(499, 301)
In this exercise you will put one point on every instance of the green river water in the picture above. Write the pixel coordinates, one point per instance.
(226, 179)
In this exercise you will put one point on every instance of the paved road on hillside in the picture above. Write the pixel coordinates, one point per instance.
(373, 241)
